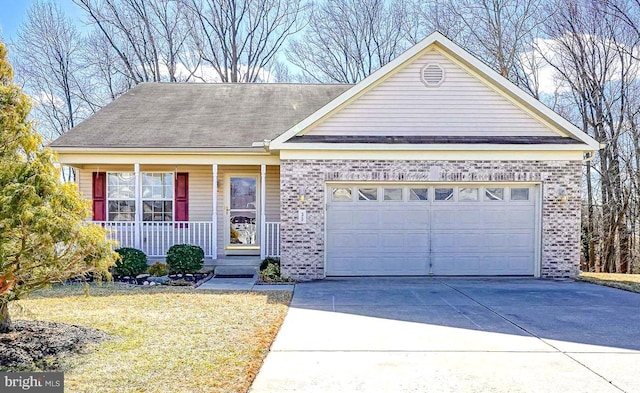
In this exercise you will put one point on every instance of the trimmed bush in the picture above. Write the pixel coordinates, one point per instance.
(158, 269)
(269, 260)
(185, 258)
(270, 271)
(131, 262)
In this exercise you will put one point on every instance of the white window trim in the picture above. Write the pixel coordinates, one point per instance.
(172, 199)
(119, 199)
(142, 199)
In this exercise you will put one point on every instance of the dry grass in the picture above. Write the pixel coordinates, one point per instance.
(628, 282)
(166, 339)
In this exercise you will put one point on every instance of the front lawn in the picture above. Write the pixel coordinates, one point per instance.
(164, 339)
(628, 282)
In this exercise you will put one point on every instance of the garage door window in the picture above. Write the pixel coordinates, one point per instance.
(393, 194)
(341, 195)
(367, 194)
(519, 194)
(444, 194)
(494, 194)
(418, 194)
(468, 194)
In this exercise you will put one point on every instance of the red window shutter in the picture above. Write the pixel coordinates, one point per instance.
(99, 196)
(182, 197)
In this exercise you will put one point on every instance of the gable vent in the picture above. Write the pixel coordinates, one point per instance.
(432, 75)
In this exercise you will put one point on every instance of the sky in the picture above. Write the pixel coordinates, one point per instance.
(13, 12)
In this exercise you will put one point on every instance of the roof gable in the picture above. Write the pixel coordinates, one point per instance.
(472, 100)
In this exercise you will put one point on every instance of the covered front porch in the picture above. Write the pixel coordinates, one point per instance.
(229, 210)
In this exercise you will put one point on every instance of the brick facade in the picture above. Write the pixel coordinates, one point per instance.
(302, 254)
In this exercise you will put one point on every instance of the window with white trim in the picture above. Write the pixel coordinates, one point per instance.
(157, 196)
(121, 196)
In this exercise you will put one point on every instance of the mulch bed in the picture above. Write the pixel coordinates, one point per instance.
(39, 346)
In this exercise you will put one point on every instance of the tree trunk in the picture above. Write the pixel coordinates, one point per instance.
(591, 250)
(5, 321)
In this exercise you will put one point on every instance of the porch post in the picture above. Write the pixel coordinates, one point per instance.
(263, 208)
(214, 213)
(138, 206)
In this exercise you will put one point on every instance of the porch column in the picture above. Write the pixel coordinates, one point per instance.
(137, 178)
(214, 213)
(263, 208)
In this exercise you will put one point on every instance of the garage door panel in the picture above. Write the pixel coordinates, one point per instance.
(365, 218)
(403, 242)
(456, 241)
(416, 241)
(455, 264)
(417, 218)
(457, 218)
(520, 218)
(473, 264)
(340, 240)
(378, 265)
(494, 217)
(442, 241)
(419, 237)
(521, 239)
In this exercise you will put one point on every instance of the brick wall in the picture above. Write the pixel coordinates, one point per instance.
(302, 255)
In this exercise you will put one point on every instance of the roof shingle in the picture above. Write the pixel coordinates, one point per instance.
(197, 115)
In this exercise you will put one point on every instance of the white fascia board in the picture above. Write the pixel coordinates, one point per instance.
(161, 150)
(438, 155)
(449, 46)
(78, 159)
(434, 147)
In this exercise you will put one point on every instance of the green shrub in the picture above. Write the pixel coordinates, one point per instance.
(270, 271)
(158, 269)
(185, 258)
(131, 262)
(269, 260)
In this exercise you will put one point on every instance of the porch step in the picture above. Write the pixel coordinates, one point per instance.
(236, 270)
(238, 261)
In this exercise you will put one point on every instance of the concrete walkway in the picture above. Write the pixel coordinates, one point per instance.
(455, 335)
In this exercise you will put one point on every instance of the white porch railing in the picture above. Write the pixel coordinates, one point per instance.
(272, 239)
(157, 237)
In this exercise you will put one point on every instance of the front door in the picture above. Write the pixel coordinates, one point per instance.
(242, 216)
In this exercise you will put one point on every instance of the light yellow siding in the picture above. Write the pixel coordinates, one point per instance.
(200, 184)
(402, 105)
(200, 189)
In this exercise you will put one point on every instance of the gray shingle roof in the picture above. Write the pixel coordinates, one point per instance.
(195, 115)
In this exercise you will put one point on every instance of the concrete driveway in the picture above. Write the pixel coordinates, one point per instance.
(455, 335)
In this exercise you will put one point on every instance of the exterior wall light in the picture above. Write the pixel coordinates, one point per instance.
(301, 193)
(562, 192)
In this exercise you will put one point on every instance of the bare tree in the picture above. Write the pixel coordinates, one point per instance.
(48, 61)
(425, 17)
(146, 36)
(240, 39)
(346, 41)
(589, 51)
(501, 33)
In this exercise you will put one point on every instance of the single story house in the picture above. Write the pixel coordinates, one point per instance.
(434, 164)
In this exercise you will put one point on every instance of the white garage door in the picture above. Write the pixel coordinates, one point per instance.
(431, 229)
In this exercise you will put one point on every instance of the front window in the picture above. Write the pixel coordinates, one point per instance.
(157, 196)
(121, 196)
